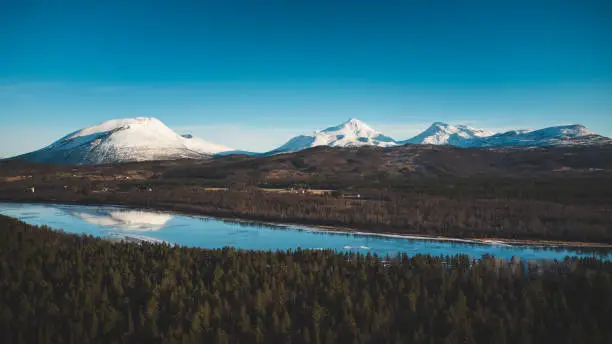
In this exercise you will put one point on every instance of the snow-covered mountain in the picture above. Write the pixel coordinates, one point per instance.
(551, 136)
(124, 140)
(145, 139)
(356, 133)
(351, 133)
(445, 134)
(465, 136)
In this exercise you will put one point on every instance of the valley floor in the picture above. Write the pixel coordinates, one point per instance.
(555, 195)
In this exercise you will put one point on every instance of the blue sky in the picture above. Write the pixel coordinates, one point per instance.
(252, 74)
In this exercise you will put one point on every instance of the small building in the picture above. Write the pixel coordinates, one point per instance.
(30, 189)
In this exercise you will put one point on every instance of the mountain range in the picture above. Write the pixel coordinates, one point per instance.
(354, 133)
(146, 138)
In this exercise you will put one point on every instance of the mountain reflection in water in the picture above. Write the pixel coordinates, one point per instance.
(133, 220)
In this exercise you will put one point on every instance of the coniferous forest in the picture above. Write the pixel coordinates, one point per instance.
(61, 288)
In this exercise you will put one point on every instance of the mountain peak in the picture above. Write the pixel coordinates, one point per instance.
(123, 140)
(353, 127)
(440, 133)
(355, 122)
(439, 124)
(351, 133)
(357, 125)
(574, 130)
(551, 136)
(150, 124)
(459, 127)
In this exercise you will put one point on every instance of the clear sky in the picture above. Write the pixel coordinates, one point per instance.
(252, 74)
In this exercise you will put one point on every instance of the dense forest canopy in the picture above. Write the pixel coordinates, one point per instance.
(61, 288)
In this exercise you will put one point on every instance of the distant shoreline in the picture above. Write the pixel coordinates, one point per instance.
(337, 229)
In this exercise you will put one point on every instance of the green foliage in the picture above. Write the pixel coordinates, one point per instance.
(60, 288)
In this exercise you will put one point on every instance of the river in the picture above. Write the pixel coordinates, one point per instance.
(198, 231)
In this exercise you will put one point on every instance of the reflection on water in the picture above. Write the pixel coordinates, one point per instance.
(135, 220)
(140, 225)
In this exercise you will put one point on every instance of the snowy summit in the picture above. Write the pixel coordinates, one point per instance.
(551, 136)
(445, 134)
(465, 136)
(123, 140)
(351, 133)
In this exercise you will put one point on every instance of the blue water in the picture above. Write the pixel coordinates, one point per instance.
(112, 221)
